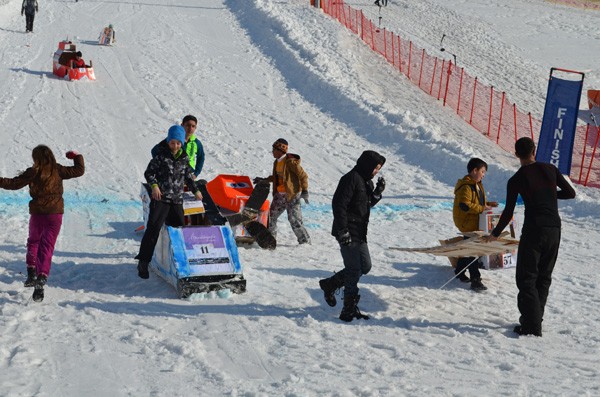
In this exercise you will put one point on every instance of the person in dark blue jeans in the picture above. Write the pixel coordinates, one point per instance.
(351, 204)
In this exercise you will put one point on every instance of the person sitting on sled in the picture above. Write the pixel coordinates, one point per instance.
(78, 62)
(108, 35)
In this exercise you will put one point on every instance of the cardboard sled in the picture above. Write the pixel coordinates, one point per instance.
(106, 36)
(196, 259)
(62, 64)
(473, 246)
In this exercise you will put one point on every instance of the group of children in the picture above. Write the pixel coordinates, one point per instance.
(170, 169)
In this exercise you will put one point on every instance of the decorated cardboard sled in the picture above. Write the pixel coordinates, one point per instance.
(196, 258)
(107, 36)
(62, 63)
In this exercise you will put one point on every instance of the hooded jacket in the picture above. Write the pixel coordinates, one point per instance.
(353, 198)
(46, 196)
(170, 173)
(469, 202)
(295, 179)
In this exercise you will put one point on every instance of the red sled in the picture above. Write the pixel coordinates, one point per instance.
(62, 64)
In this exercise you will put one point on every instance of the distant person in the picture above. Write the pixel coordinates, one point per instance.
(351, 204)
(108, 35)
(290, 184)
(166, 174)
(46, 208)
(538, 185)
(469, 203)
(192, 145)
(78, 62)
(29, 8)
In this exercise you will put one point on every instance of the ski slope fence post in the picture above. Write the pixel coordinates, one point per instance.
(399, 54)
(480, 116)
(592, 158)
(448, 73)
(433, 76)
(441, 78)
(587, 131)
(462, 72)
(515, 119)
(500, 121)
(473, 101)
(490, 113)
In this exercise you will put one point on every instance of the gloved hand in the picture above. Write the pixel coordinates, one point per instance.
(380, 187)
(304, 196)
(71, 154)
(258, 180)
(344, 237)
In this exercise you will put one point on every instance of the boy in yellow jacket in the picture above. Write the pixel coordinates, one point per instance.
(469, 202)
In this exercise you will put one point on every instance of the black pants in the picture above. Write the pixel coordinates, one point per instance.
(473, 269)
(538, 250)
(357, 261)
(161, 213)
(29, 21)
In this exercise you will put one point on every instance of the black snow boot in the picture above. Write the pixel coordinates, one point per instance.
(38, 292)
(521, 330)
(330, 286)
(351, 310)
(30, 282)
(143, 269)
(477, 285)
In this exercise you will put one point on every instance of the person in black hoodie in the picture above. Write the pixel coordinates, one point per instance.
(352, 202)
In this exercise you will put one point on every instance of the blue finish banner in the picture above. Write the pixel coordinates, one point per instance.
(559, 123)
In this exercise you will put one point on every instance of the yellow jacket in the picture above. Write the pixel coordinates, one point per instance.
(295, 179)
(469, 202)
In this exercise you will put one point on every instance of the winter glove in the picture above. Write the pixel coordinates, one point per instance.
(258, 180)
(71, 154)
(380, 187)
(344, 237)
(304, 196)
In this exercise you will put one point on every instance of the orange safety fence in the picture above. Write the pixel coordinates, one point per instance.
(487, 110)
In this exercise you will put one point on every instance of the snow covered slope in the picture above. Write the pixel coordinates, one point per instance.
(253, 71)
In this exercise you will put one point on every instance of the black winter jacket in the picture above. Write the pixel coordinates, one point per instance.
(353, 198)
(170, 174)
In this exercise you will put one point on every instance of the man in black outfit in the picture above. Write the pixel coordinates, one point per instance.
(351, 204)
(540, 237)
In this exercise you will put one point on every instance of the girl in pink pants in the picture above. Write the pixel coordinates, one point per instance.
(45, 181)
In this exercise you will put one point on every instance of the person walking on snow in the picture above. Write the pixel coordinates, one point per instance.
(538, 185)
(29, 7)
(290, 184)
(351, 204)
(46, 208)
(469, 202)
(166, 174)
(192, 145)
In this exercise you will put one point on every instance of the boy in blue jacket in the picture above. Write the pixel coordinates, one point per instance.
(166, 174)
